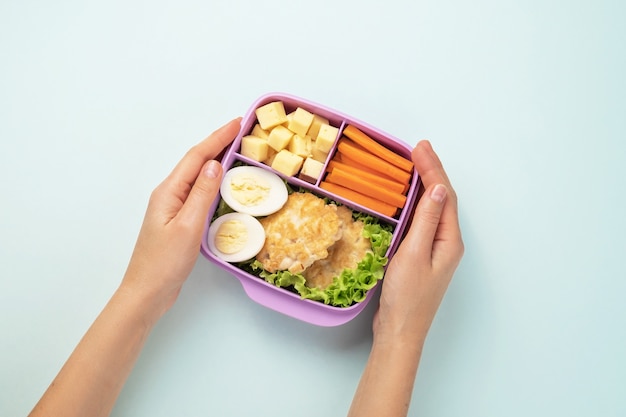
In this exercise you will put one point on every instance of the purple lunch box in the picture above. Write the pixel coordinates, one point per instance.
(281, 299)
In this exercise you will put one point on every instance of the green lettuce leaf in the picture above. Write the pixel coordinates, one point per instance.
(352, 285)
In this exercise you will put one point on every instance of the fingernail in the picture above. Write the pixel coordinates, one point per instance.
(212, 170)
(439, 193)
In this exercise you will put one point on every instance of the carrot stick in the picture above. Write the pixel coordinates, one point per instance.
(374, 162)
(377, 149)
(368, 176)
(352, 166)
(347, 161)
(355, 183)
(358, 198)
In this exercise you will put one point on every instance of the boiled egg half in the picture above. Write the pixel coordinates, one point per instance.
(253, 190)
(235, 237)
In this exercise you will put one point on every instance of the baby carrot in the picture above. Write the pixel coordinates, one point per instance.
(373, 161)
(355, 183)
(368, 176)
(358, 198)
(377, 149)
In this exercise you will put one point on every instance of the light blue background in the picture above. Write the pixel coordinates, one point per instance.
(523, 100)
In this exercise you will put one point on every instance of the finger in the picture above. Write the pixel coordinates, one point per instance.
(431, 171)
(421, 235)
(428, 165)
(427, 147)
(194, 211)
(187, 170)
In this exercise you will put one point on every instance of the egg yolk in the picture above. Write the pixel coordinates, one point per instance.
(248, 190)
(231, 237)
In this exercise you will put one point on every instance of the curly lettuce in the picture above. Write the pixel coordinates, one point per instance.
(351, 285)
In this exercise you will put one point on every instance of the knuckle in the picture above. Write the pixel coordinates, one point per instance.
(193, 151)
(205, 187)
(460, 249)
(185, 226)
(428, 216)
(457, 250)
(155, 195)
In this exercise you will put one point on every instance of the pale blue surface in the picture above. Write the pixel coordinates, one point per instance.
(524, 101)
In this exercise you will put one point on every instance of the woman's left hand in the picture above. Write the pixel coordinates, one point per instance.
(169, 241)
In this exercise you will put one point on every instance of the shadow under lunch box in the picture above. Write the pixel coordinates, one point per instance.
(342, 126)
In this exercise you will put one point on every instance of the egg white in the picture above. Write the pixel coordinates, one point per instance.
(275, 200)
(256, 237)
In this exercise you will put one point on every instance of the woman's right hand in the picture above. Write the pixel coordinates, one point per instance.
(421, 269)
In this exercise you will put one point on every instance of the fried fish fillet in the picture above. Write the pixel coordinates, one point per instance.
(299, 234)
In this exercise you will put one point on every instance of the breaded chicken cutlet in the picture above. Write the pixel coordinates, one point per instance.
(311, 237)
(346, 253)
(299, 233)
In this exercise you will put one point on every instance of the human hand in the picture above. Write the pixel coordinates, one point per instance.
(421, 269)
(416, 280)
(165, 252)
(169, 240)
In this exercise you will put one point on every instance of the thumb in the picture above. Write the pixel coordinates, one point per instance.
(202, 195)
(419, 240)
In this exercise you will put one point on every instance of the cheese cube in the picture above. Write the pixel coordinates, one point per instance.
(318, 155)
(289, 117)
(259, 133)
(279, 137)
(271, 154)
(287, 163)
(300, 145)
(326, 137)
(311, 170)
(254, 148)
(315, 125)
(300, 121)
(271, 114)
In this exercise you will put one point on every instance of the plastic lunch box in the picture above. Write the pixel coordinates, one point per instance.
(281, 299)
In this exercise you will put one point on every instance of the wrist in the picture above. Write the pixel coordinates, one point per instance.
(405, 333)
(387, 382)
(399, 343)
(150, 305)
